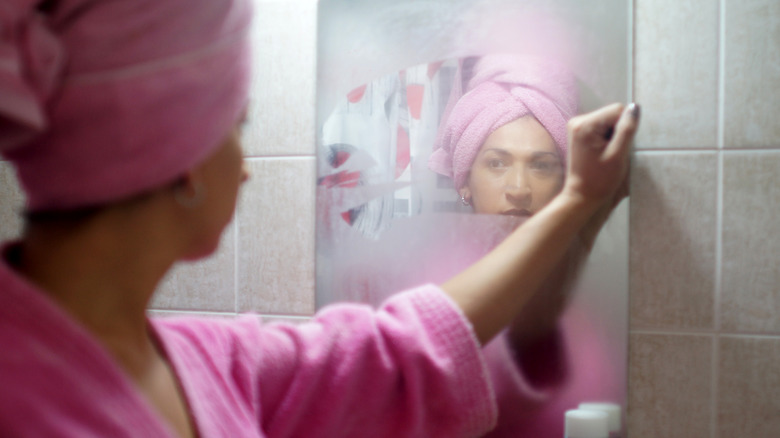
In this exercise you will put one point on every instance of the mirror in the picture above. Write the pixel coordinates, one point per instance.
(441, 128)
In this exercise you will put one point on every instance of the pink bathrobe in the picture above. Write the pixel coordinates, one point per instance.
(411, 369)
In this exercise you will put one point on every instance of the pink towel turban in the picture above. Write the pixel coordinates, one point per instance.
(502, 88)
(102, 100)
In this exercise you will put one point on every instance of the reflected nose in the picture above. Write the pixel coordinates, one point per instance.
(517, 189)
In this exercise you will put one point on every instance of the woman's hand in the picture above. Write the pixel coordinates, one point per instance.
(599, 145)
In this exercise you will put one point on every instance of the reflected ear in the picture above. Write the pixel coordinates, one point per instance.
(465, 195)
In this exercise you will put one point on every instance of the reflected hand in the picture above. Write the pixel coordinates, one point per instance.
(599, 145)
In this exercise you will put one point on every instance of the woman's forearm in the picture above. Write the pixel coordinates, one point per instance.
(494, 290)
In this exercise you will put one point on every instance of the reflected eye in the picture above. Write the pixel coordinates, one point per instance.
(495, 163)
(546, 166)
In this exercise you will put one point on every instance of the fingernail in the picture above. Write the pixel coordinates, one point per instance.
(635, 110)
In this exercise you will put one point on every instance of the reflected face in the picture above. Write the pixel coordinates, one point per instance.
(517, 171)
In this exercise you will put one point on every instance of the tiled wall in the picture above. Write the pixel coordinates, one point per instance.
(705, 234)
(266, 262)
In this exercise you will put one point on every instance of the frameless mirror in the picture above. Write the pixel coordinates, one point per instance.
(441, 128)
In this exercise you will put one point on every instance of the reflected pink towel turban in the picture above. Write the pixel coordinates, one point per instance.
(102, 100)
(502, 88)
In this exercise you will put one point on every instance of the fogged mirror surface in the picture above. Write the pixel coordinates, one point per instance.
(441, 129)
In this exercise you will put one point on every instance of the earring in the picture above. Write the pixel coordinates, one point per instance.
(464, 201)
(190, 201)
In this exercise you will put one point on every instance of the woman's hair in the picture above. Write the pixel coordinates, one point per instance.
(72, 216)
(104, 100)
(492, 91)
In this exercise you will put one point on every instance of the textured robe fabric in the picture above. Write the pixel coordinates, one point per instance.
(412, 368)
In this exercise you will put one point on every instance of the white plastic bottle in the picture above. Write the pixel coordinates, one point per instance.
(582, 423)
(614, 418)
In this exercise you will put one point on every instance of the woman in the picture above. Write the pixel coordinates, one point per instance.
(503, 144)
(121, 119)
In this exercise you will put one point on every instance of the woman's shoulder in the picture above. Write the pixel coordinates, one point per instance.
(209, 335)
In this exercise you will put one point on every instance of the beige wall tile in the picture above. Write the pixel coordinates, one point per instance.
(11, 203)
(670, 391)
(748, 387)
(750, 298)
(752, 73)
(676, 72)
(281, 117)
(276, 238)
(269, 319)
(189, 314)
(672, 234)
(207, 285)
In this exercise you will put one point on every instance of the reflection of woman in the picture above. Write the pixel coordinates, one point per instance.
(503, 143)
(128, 153)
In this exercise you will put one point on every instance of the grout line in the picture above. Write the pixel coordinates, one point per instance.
(282, 316)
(671, 332)
(750, 336)
(714, 386)
(665, 151)
(718, 290)
(182, 312)
(689, 332)
(767, 151)
(716, 302)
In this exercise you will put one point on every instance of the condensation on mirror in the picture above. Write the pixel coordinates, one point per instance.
(441, 128)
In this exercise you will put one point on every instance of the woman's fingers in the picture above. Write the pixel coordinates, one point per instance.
(595, 129)
(624, 131)
(599, 150)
